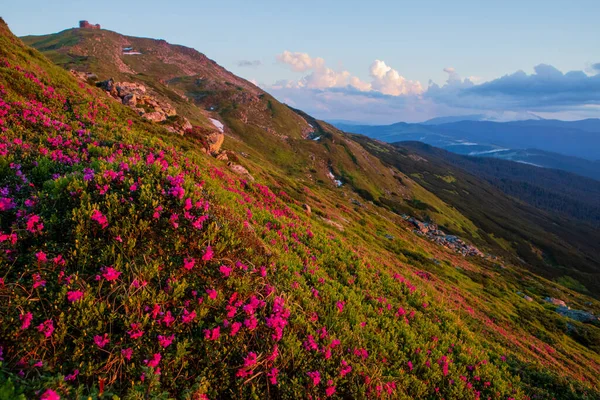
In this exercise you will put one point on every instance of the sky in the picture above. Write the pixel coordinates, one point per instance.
(374, 61)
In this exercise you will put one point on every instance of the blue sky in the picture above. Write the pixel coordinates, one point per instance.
(338, 42)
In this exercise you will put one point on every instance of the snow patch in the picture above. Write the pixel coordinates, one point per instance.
(218, 124)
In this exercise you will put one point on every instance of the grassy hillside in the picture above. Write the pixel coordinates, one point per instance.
(135, 266)
(547, 243)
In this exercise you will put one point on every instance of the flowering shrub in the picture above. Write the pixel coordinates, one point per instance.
(132, 267)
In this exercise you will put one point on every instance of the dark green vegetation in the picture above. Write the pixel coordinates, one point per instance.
(136, 266)
(548, 243)
(555, 191)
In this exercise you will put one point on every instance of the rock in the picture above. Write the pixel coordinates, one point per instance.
(125, 88)
(181, 125)
(334, 224)
(307, 208)
(130, 100)
(239, 170)
(577, 315)
(389, 237)
(556, 302)
(108, 85)
(222, 156)
(527, 298)
(155, 116)
(169, 111)
(215, 141)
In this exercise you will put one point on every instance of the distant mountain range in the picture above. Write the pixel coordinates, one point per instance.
(572, 146)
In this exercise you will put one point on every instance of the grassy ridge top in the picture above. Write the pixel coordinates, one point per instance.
(134, 265)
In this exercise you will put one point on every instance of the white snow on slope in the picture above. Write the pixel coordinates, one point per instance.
(218, 124)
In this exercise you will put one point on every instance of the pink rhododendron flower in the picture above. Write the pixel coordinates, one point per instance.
(38, 281)
(50, 395)
(225, 270)
(74, 295)
(188, 317)
(41, 257)
(188, 263)
(250, 359)
(46, 327)
(110, 274)
(346, 369)
(235, 327)
(208, 254)
(154, 361)
(273, 376)
(340, 305)
(99, 218)
(34, 224)
(212, 334)
(136, 332)
(25, 320)
(127, 353)
(101, 341)
(315, 377)
(212, 294)
(330, 390)
(165, 341)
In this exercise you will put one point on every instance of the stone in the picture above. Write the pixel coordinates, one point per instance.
(577, 315)
(556, 302)
(222, 156)
(130, 100)
(527, 298)
(215, 141)
(169, 111)
(307, 208)
(125, 88)
(108, 85)
(239, 170)
(155, 116)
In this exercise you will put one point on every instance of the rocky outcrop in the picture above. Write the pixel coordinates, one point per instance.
(135, 95)
(577, 315)
(556, 302)
(436, 235)
(180, 125)
(154, 116)
(215, 141)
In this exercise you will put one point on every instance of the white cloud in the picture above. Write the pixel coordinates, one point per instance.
(387, 96)
(388, 81)
(299, 62)
(384, 79)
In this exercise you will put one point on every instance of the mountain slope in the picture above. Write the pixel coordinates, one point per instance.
(549, 244)
(566, 145)
(555, 191)
(135, 265)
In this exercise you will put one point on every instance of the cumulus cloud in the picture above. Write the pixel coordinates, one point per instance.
(388, 81)
(384, 79)
(321, 77)
(299, 62)
(389, 97)
(248, 63)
